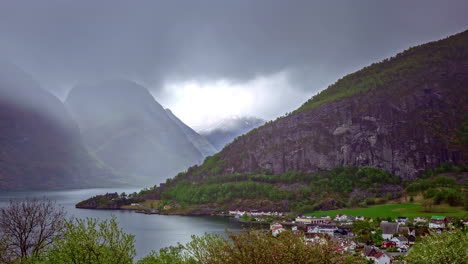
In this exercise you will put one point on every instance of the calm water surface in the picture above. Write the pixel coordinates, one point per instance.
(152, 232)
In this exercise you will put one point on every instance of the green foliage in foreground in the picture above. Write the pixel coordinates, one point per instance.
(90, 241)
(251, 247)
(445, 248)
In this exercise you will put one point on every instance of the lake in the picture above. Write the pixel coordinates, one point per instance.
(152, 232)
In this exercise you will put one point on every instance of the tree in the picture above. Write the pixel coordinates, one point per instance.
(90, 241)
(363, 230)
(252, 247)
(427, 205)
(444, 248)
(28, 228)
(169, 255)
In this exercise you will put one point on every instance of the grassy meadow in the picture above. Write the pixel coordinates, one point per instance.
(410, 210)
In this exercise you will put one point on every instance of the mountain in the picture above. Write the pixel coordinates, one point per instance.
(128, 130)
(40, 145)
(404, 115)
(228, 129)
(400, 124)
(205, 147)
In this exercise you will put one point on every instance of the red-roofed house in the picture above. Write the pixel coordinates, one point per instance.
(378, 256)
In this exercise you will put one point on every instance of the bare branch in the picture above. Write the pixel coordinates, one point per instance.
(28, 227)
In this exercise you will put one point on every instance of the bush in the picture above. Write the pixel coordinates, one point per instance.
(370, 201)
(90, 241)
(430, 193)
(251, 247)
(443, 248)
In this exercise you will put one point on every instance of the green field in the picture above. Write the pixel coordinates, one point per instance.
(394, 210)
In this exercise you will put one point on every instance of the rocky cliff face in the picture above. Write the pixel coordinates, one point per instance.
(407, 120)
(129, 131)
(40, 145)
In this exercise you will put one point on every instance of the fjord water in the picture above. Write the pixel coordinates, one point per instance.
(152, 232)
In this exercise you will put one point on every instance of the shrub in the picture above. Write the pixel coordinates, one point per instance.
(251, 247)
(441, 248)
(90, 241)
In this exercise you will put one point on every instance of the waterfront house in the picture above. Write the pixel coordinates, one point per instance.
(237, 212)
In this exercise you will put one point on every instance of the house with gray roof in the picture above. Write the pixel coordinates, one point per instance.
(389, 229)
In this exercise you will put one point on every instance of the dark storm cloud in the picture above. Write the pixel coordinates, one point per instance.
(62, 42)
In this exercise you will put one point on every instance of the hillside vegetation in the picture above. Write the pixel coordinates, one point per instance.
(401, 66)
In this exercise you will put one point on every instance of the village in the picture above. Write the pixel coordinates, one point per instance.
(382, 241)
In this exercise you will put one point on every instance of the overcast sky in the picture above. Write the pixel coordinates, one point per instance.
(210, 59)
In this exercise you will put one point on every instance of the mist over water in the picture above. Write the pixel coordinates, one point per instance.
(152, 232)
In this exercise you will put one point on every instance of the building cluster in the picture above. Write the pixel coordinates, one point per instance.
(254, 213)
(396, 236)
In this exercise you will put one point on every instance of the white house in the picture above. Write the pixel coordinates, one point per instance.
(276, 228)
(341, 217)
(375, 254)
(312, 220)
(420, 219)
(275, 225)
(438, 222)
(400, 241)
(382, 258)
(360, 218)
(238, 212)
(402, 219)
(324, 229)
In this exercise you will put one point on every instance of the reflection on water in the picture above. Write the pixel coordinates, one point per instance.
(152, 232)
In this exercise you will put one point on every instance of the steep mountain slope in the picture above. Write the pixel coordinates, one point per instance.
(404, 115)
(40, 145)
(205, 147)
(228, 129)
(128, 130)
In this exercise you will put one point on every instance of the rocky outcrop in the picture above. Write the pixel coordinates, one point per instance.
(409, 122)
